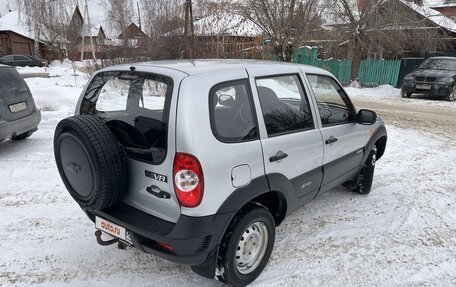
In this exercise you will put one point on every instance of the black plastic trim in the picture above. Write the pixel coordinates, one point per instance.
(192, 238)
(379, 132)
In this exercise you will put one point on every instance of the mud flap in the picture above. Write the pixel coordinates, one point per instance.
(207, 269)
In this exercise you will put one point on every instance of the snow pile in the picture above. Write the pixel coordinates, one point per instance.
(383, 91)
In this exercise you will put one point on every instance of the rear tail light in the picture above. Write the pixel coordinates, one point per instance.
(188, 180)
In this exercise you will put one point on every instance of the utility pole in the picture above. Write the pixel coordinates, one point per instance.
(188, 30)
(139, 16)
(86, 16)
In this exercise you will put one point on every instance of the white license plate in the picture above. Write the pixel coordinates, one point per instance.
(112, 229)
(18, 107)
(423, 87)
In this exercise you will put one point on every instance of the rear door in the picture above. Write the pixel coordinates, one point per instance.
(139, 108)
(292, 145)
(344, 140)
(16, 100)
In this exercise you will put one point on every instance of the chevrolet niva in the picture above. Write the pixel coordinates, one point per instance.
(199, 161)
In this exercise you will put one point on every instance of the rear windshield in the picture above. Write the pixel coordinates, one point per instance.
(136, 108)
(10, 79)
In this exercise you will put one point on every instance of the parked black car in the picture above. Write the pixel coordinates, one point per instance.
(22, 61)
(434, 77)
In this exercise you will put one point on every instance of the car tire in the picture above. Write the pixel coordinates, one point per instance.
(247, 246)
(405, 94)
(366, 175)
(22, 136)
(452, 95)
(90, 161)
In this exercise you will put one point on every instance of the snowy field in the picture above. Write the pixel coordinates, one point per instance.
(402, 234)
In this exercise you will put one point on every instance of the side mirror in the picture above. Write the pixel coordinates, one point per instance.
(366, 117)
(226, 100)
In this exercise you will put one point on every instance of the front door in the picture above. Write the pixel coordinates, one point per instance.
(344, 140)
(292, 146)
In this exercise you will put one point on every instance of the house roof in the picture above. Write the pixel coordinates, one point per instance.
(433, 15)
(12, 22)
(226, 24)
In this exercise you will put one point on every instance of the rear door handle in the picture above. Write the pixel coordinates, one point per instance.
(331, 140)
(279, 156)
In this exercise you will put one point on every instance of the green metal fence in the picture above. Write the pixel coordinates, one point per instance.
(339, 68)
(372, 73)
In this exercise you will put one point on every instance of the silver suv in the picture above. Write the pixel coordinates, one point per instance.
(199, 161)
(19, 117)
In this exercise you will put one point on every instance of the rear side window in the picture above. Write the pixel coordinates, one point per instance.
(231, 112)
(284, 105)
(136, 108)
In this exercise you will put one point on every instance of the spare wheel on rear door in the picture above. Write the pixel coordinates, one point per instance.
(90, 161)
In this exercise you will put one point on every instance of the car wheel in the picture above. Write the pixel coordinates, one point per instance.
(90, 161)
(406, 95)
(247, 246)
(366, 175)
(22, 136)
(452, 96)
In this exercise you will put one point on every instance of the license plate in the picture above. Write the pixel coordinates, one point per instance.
(112, 229)
(423, 87)
(18, 107)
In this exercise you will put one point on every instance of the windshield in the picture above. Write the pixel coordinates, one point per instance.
(438, 64)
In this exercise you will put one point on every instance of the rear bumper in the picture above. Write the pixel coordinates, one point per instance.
(193, 239)
(20, 126)
(435, 89)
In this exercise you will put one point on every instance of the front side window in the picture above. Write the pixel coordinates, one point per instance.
(333, 104)
(231, 112)
(284, 104)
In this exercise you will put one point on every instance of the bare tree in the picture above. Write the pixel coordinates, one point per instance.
(48, 19)
(284, 24)
(120, 14)
(381, 27)
(164, 22)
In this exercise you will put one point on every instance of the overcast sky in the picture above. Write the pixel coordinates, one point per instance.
(3, 9)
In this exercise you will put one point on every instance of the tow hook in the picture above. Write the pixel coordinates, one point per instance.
(100, 241)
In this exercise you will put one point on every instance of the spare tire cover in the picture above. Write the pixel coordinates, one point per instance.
(90, 161)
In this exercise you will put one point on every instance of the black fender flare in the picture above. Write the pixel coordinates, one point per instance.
(378, 133)
(235, 202)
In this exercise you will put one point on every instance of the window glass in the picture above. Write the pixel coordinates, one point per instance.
(113, 95)
(7, 58)
(333, 104)
(284, 104)
(135, 106)
(231, 112)
(154, 94)
(21, 58)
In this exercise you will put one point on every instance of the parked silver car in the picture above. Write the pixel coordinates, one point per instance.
(19, 117)
(199, 161)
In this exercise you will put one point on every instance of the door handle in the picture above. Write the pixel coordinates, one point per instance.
(331, 140)
(279, 156)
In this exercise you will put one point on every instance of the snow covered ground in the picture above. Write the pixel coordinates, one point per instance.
(402, 234)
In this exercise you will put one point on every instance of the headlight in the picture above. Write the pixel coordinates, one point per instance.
(445, 80)
(409, 78)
